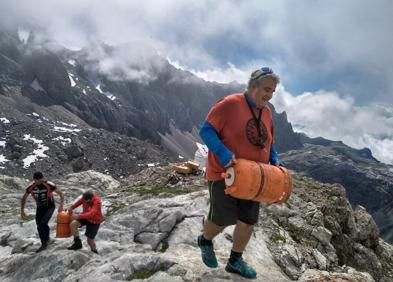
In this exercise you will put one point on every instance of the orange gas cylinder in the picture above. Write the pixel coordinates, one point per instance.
(63, 229)
(259, 182)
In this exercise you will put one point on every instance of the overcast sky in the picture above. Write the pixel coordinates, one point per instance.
(334, 57)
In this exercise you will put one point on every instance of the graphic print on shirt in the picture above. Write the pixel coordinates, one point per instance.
(40, 194)
(252, 133)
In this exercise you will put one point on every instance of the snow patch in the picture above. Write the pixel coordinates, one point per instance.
(37, 153)
(98, 87)
(4, 120)
(23, 34)
(72, 62)
(35, 114)
(3, 159)
(64, 129)
(63, 141)
(67, 124)
(2, 143)
(37, 86)
(71, 80)
(84, 91)
(107, 94)
(181, 157)
(111, 97)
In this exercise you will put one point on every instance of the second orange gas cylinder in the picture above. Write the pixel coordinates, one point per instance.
(63, 229)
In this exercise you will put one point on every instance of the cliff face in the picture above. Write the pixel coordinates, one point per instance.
(152, 221)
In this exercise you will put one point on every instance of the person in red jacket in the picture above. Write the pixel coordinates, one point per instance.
(91, 216)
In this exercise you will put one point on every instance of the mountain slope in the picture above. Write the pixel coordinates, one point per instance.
(144, 97)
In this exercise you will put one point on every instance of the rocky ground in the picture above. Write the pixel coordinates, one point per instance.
(152, 220)
(367, 182)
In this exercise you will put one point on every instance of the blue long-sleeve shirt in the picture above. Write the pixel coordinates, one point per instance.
(209, 135)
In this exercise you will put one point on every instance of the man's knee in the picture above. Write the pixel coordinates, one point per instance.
(74, 224)
(244, 226)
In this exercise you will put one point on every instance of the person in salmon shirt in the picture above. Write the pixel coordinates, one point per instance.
(91, 217)
(239, 125)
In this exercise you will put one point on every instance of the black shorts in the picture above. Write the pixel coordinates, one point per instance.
(226, 210)
(91, 228)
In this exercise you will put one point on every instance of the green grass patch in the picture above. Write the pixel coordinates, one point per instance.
(7, 210)
(162, 183)
(29, 217)
(115, 206)
(297, 236)
(144, 273)
(164, 246)
(276, 237)
(159, 189)
(305, 183)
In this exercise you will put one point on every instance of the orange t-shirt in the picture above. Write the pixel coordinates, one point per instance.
(232, 119)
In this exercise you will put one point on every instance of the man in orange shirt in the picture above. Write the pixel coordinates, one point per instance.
(239, 125)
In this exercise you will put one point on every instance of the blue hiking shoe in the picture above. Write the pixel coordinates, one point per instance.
(241, 268)
(208, 255)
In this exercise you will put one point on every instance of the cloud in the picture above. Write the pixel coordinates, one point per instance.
(326, 114)
(343, 46)
(223, 75)
(229, 72)
(132, 61)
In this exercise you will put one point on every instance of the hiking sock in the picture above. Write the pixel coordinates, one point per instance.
(234, 256)
(205, 242)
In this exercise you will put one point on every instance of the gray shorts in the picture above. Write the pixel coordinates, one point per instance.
(226, 210)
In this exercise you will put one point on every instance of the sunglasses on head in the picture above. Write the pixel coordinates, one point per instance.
(264, 71)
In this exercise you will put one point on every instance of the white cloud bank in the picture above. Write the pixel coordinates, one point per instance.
(328, 115)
